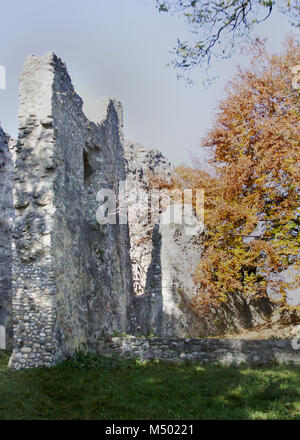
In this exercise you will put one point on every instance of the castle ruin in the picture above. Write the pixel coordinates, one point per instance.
(67, 282)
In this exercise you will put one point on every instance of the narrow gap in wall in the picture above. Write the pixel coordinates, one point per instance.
(88, 171)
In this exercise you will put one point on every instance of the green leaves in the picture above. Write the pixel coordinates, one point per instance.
(162, 7)
(220, 25)
(267, 4)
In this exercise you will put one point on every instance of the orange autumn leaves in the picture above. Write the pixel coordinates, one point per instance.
(252, 217)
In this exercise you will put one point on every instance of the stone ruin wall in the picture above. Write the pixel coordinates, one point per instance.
(202, 351)
(140, 165)
(72, 278)
(6, 227)
(163, 256)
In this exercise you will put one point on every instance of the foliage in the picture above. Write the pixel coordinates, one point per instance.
(104, 389)
(252, 216)
(218, 26)
(96, 226)
(100, 254)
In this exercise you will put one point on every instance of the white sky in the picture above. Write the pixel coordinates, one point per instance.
(119, 48)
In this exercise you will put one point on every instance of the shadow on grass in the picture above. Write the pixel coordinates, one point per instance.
(92, 388)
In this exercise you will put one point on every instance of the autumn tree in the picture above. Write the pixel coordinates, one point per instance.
(252, 216)
(218, 26)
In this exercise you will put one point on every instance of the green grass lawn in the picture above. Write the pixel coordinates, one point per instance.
(89, 388)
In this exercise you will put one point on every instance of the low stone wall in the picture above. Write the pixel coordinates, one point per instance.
(224, 351)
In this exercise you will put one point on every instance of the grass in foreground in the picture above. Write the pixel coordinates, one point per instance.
(89, 388)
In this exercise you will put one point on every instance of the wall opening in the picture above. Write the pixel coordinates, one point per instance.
(87, 169)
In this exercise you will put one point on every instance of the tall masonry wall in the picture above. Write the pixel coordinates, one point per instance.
(71, 278)
(6, 227)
